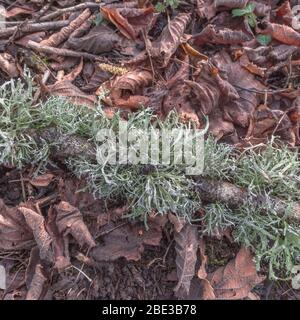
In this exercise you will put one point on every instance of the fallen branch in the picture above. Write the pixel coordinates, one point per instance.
(61, 52)
(234, 196)
(57, 38)
(33, 27)
(57, 13)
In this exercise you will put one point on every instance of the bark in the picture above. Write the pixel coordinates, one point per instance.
(234, 196)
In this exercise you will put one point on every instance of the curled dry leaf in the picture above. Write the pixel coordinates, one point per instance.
(100, 39)
(36, 222)
(130, 21)
(133, 81)
(237, 279)
(43, 180)
(282, 33)
(70, 220)
(8, 65)
(186, 258)
(132, 103)
(72, 93)
(37, 285)
(224, 36)
(171, 37)
(206, 9)
(14, 233)
(178, 222)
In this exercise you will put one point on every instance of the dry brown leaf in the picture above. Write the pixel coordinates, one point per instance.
(282, 33)
(224, 36)
(186, 258)
(202, 274)
(72, 93)
(36, 287)
(14, 233)
(237, 278)
(100, 39)
(206, 9)
(70, 220)
(36, 223)
(171, 37)
(43, 180)
(8, 65)
(128, 240)
(178, 222)
(130, 21)
(132, 103)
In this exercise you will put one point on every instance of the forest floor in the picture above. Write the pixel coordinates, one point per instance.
(234, 65)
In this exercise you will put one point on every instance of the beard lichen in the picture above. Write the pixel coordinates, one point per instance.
(272, 171)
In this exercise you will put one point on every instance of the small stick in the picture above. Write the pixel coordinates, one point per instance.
(59, 12)
(33, 27)
(61, 52)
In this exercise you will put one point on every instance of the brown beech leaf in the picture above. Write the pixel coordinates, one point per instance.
(206, 9)
(37, 284)
(186, 258)
(223, 36)
(132, 81)
(43, 180)
(100, 39)
(219, 127)
(74, 73)
(239, 111)
(178, 222)
(128, 240)
(237, 279)
(36, 223)
(8, 65)
(132, 103)
(202, 274)
(282, 33)
(70, 220)
(72, 93)
(171, 37)
(130, 21)
(14, 233)
(251, 67)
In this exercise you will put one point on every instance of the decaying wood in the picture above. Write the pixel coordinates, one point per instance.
(61, 52)
(33, 27)
(59, 12)
(209, 191)
(234, 196)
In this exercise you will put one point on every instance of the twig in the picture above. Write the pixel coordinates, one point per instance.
(59, 12)
(61, 52)
(33, 27)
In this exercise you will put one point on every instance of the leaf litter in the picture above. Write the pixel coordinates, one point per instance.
(232, 62)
